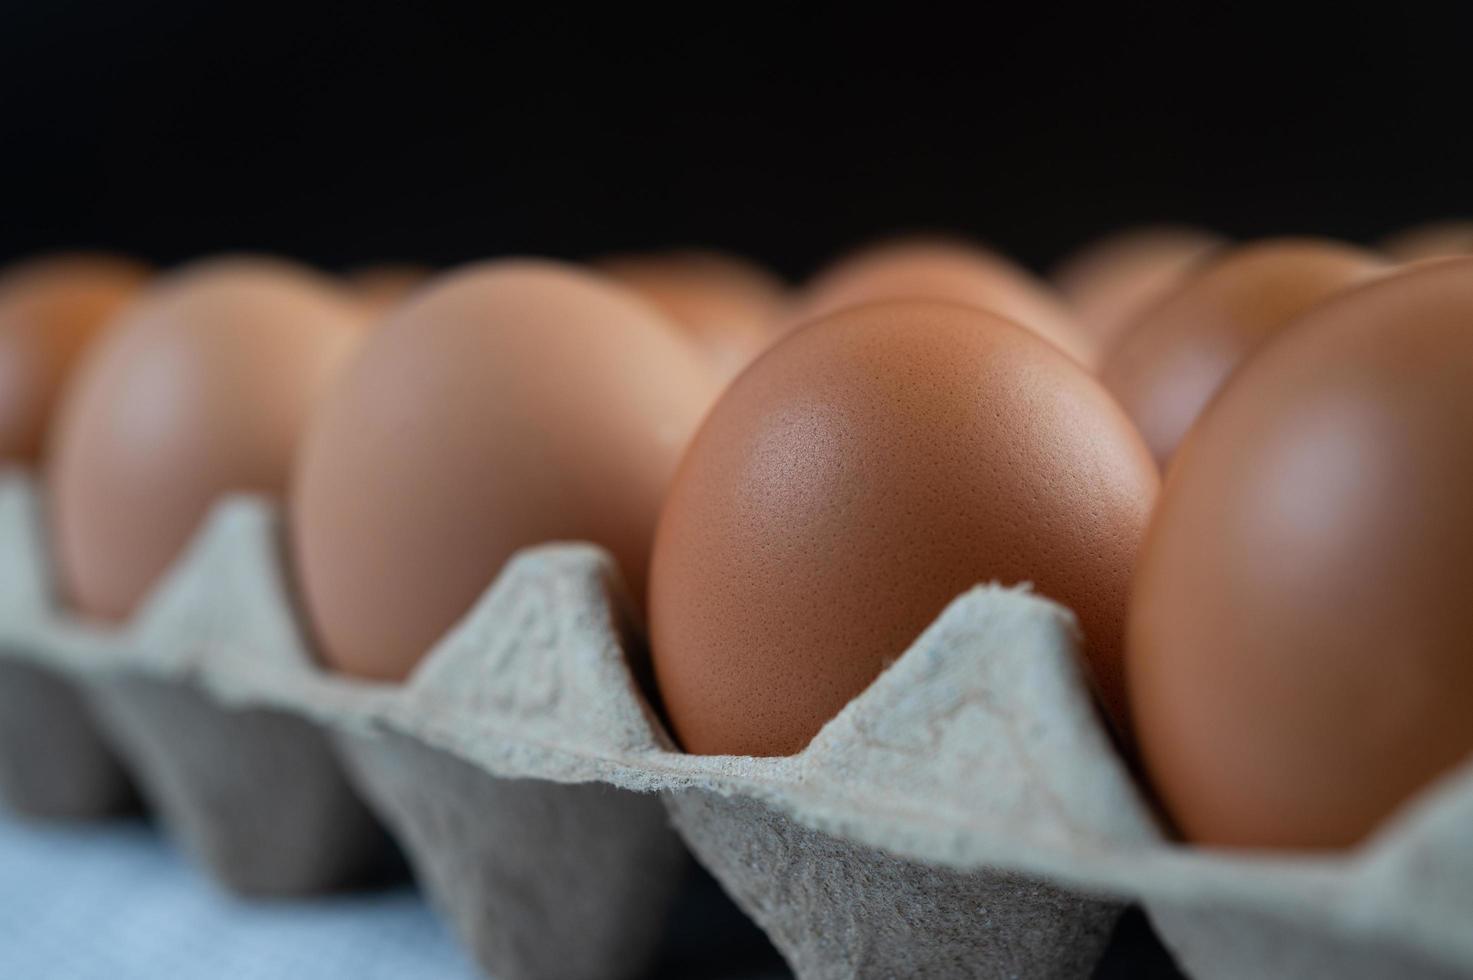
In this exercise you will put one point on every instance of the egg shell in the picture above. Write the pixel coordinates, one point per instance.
(50, 310)
(729, 307)
(949, 271)
(857, 478)
(1171, 362)
(1436, 239)
(200, 389)
(1301, 636)
(509, 404)
(382, 287)
(1111, 282)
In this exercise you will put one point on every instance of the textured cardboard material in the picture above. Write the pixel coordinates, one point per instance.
(256, 797)
(540, 879)
(977, 752)
(54, 764)
(837, 909)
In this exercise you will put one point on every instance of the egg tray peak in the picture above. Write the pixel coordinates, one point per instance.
(966, 815)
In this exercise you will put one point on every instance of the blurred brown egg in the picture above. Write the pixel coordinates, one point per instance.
(947, 271)
(858, 477)
(1299, 647)
(199, 389)
(1111, 282)
(510, 404)
(1434, 240)
(382, 287)
(1171, 362)
(731, 308)
(50, 309)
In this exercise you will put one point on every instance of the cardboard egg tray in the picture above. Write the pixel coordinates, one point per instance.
(967, 815)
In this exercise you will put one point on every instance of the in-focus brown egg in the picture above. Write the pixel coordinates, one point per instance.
(50, 309)
(382, 287)
(730, 307)
(947, 271)
(1434, 240)
(853, 481)
(1111, 282)
(510, 404)
(1171, 363)
(200, 388)
(1299, 647)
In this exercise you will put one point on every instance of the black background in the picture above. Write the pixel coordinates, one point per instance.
(377, 131)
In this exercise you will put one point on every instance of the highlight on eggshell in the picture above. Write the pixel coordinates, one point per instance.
(946, 270)
(1298, 663)
(1182, 350)
(198, 389)
(509, 404)
(866, 471)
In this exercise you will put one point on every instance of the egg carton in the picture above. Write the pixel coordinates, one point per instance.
(967, 815)
(54, 763)
(257, 796)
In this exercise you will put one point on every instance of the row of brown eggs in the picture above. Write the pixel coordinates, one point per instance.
(1283, 636)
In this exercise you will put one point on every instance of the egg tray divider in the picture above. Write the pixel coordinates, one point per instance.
(965, 816)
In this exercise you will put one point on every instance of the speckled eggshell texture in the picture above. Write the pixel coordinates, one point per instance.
(857, 478)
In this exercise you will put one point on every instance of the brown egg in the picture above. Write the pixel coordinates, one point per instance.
(1299, 647)
(1113, 281)
(382, 287)
(1174, 360)
(50, 309)
(1434, 240)
(858, 477)
(948, 271)
(731, 308)
(510, 404)
(199, 389)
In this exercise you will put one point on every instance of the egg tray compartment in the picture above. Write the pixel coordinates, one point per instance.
(965, 816)
(260, 765)
(255, 794)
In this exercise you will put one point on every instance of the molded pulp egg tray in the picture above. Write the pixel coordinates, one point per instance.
(967, 815)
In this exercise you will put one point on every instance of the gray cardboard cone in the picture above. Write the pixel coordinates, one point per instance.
(811, 848)
(53, 762)
(837, 909)
(255, 796)
(542, 880)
